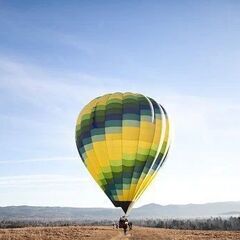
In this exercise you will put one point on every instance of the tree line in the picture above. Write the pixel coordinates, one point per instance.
(16, 223)
(226, 224)
(218, 223)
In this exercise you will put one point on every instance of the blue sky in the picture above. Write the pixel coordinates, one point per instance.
(55, 56)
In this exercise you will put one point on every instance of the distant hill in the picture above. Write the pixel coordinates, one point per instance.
(236, 213)
(188, 210)
(146, 211)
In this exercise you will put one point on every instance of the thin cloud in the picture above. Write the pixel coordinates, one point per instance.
(50, 159)
(28, 180)
(35, 83)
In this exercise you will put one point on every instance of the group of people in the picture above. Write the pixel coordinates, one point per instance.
(123, 223)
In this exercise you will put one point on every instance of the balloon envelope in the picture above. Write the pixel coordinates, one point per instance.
(123, 140)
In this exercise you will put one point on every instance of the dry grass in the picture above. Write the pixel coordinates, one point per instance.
(105, 233)
(169, 234)
(57, 233)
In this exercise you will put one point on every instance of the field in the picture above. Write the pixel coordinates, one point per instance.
(105, 233)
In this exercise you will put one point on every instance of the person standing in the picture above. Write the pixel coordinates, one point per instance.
(125, 226)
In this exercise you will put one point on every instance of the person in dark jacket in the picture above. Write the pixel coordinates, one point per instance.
(130, 225)
(123, 223)
(125, 226)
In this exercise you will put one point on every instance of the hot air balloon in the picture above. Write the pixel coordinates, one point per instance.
(123, 140)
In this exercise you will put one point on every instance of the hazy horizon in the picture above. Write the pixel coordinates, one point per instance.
(57, 56)
(112, 207)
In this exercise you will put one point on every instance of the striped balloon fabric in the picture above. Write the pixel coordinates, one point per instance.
(123, 140)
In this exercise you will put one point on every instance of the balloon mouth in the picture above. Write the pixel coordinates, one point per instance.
(123, 204)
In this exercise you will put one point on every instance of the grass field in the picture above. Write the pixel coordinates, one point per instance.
(105, 233)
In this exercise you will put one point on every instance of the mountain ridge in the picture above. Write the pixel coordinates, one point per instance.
(151, 210)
